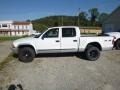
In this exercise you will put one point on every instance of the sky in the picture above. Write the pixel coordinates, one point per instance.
(34, 9)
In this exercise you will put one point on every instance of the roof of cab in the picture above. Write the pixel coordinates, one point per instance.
(65, 27)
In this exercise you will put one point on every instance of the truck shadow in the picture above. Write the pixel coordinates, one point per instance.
(80, 55)
(50, 55)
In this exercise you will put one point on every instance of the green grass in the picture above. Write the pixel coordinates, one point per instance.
(8, 38)
(6, 60)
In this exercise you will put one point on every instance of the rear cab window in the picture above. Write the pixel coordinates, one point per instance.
(103, 34)
(68, 32)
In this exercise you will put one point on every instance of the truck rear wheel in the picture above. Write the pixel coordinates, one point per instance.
(117, 45)
(92, 53)
(26, 54)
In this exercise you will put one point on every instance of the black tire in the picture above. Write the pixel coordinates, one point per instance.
(26, 54)
(117, 45)
(92, 53)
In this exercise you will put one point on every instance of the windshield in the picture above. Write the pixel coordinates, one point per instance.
(37, 36)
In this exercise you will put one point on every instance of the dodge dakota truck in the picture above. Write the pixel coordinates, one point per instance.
(62, 39)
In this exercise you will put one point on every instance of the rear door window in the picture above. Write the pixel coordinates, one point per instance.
(68, 32)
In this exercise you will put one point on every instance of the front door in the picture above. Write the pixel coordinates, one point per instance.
(50, 42)
(69, 40)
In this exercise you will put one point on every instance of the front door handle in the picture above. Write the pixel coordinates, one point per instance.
(74, 40)
(57, 41)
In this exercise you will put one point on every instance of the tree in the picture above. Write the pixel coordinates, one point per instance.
(102, 17)
(28, 20)
(39, 27)
(56, 23)
(83, 18)
(94, 15)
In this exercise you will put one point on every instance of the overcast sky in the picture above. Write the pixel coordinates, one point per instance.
(33, 9)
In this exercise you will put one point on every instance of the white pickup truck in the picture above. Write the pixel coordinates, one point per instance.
(61, 40)
(116, 35)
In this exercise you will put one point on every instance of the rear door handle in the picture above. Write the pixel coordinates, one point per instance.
(57, 41)
(74, 40)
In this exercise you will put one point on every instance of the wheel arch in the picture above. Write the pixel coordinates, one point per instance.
(26, 45)
(96, 44)
(116, 42)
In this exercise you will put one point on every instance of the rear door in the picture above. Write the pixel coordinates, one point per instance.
(69, 40)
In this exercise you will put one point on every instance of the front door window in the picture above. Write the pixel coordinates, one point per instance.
(52, 33)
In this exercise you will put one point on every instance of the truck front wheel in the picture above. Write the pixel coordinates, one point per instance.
(92, 53)
(26, 54)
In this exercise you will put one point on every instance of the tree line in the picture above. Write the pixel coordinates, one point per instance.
(92, 18)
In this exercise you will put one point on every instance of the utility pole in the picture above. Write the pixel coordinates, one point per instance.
(78, 17)
(62, 20)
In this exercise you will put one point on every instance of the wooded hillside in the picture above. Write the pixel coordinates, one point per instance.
(94, 19)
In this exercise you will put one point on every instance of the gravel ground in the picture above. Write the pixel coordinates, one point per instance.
(64, 73)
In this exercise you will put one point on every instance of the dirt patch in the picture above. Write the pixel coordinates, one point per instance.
(113, 56)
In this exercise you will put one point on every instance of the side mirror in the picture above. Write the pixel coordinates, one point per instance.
(42, 38)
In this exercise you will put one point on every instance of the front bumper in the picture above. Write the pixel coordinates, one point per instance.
(14, 50)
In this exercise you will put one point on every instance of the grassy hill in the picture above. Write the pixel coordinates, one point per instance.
(50, 21)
